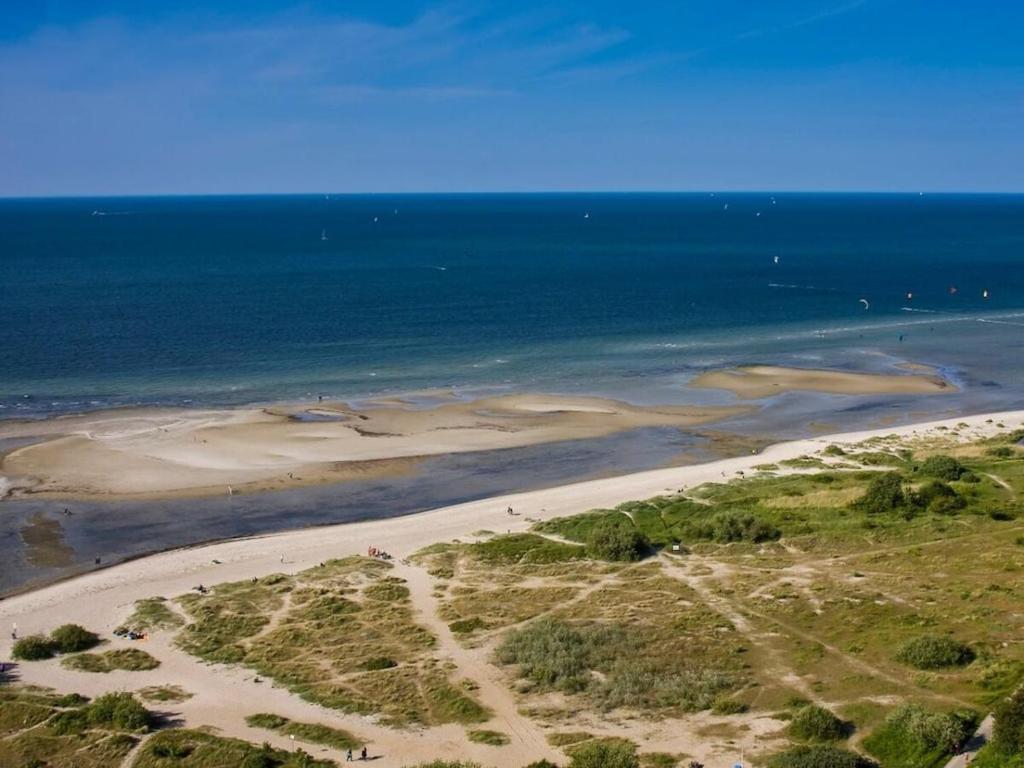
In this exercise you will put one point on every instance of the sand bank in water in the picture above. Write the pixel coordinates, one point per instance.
(756, 381)
(194, 453)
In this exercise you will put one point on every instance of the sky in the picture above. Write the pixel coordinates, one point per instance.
(137, 97)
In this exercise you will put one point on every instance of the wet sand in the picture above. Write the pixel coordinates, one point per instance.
(754, 382)
(165, 454)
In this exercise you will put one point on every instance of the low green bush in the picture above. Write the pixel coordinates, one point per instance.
(609, 540)
(934, 652)
(71, 638)
(33, 648)
(883, 494)
(604, 754)
(814, 723)
(818, 756)
(942, 467)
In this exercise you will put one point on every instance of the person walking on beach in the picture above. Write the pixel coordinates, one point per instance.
(348, 756)
(362, 755)
(510, 512)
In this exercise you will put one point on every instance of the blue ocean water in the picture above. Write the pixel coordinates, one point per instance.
(228, 300)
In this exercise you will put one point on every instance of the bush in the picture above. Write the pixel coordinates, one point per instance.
(119, 710)
(1001, 452)
(1009, 729)
(935, 652)
(71, 638)
(942, 467)
(33, 648)
(610, 540)
(541, 764)
(814, 723)
(379, 662)
(833, 450)
(884, 494)
(726, 705)
(605, 754)
(933, 730)
(727, 527)
(819, 756)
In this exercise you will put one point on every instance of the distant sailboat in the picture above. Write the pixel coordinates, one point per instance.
(586, 215)
(323, 234)
(984, 294)
(775, 259)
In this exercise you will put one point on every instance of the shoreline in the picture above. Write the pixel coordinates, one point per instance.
(458, 520)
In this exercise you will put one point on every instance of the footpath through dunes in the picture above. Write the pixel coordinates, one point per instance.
(161, 454)
(433, 654)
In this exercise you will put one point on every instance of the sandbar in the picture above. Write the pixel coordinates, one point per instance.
(754, 382)
(174, 453)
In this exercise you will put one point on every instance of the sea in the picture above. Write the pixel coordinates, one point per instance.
(228, 301)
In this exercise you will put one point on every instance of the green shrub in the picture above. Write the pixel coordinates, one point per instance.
(605, 754)
(119, 710)
(942, 467)
(945, 731)
(934, 652)
(818, 756)
(884, 494)
(814, 723)
(33, 648)
(726, 705)
(610, 540)
(379, 662)
(71, 638)
(1001, 452)
(834, 450)
(1009, 728)
(727, 527)
(491, 738)
(541, 764)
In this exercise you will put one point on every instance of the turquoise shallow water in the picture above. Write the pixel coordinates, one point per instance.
(227, 300)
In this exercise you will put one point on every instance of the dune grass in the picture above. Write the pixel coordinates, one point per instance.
(343, 637)
(189, 748)
(128, 659)
(312, 733)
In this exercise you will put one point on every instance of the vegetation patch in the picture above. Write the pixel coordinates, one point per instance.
(128, 659)
(153, 613)
(174, 694)
(814, 723)
(492, 738)
(818, 756)
(344, 637)
(313, 733)
(935, 652)
(188, 748)
(914, 737)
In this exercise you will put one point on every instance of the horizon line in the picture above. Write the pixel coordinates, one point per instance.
(509, 193)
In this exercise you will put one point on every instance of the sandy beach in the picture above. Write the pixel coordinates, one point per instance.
(164, 453)
(754, 382)
(223, 696)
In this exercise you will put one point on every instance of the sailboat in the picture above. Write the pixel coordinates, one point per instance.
(323, 234)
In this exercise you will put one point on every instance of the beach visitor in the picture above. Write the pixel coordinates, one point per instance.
(348, 756)
(362, 755)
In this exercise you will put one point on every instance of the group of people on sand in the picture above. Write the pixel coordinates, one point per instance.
(362, 755)
(380, 554)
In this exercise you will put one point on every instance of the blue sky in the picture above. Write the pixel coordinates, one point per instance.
(136, 98)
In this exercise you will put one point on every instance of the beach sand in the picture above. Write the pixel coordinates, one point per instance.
(224, 695)
(162, 453)
(753, 382)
